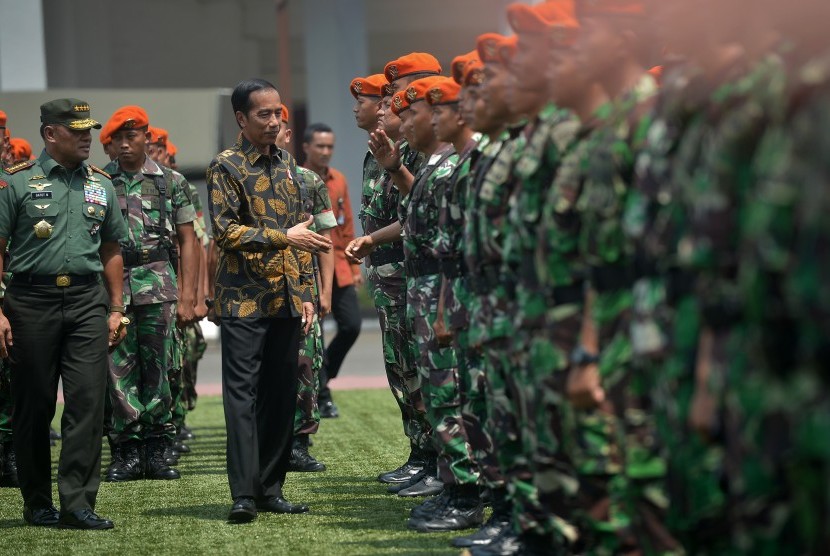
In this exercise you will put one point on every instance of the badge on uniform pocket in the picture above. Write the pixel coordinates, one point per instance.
(43, 230)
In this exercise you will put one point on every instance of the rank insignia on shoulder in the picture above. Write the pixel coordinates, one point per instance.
(20, 166)
(3, 184)
(98, 170)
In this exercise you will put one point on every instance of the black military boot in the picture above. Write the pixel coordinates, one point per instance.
(499, 520)
(130, 466)
(301, 460)
(8, 471)
(506, 543)
(181, 447)
(463, 510)
(403, 473)
(156, 468)
(431, 505)
(115, 459)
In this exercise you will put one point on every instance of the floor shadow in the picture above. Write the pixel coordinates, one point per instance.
(207, 512)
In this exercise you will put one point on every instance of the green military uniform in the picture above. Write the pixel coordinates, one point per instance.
(543, 494)
(437, 365)
(307, 415)
(387, 280)
(140, 367)
(457, 294)
(55, 220)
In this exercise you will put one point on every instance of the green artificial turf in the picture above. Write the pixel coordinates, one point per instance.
(351, 513)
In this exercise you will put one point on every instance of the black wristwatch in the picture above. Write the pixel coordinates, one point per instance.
(581, 358)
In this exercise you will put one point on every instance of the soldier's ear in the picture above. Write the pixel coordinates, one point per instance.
(288, 135)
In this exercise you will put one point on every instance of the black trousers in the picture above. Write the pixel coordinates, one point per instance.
(259, 392)
(58, 333)
(346, 312)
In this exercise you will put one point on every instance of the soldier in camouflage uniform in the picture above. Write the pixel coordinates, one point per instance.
(316, 202)
(385, 271)
(155, 204)
(544, 495)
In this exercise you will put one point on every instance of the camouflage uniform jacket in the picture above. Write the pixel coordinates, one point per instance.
(316, 202)
(419, 215)
(547, 138)
(379, 208)
(450, 246)
(139, 199)
(484, 229)
(254, 200)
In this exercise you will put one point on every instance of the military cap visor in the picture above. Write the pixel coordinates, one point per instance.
(68, 112)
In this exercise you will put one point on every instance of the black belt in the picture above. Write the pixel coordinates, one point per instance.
(564, 295)
(388, 255)
(422, 267)
(612, 277)
(453, 268)
(59, 280)
(485, 278)
(140, 257)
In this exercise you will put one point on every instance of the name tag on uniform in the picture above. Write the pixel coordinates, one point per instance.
(41, 195)
(94, 193)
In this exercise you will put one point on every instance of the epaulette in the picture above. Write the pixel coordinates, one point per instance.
(19, 166)
(96, 169)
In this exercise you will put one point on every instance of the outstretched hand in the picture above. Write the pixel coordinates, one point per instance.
(302, 238)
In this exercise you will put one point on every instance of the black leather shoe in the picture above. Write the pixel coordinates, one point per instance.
(42, 517)
(428, 486)
(185, 434)
(301, 460)
(414, 463)
(395, 488)
(463, 510)
(181, 447)
(156, 468)
(505, 543)
(83, 519)
(242, 511)
(328, 410)
(171, 456)
(128, 463)
(491, 529)
(279, 505)
(430, 506)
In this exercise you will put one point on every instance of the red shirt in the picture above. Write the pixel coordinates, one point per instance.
(341, 205)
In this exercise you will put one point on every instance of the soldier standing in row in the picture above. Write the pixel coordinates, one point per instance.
(155, 205)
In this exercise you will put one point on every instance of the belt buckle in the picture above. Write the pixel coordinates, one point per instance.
(63, 280)
(144, 256)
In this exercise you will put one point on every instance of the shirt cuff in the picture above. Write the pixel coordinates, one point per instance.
(278, 238)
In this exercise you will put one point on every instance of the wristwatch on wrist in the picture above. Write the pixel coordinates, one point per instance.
(580, 357)
(118, 309)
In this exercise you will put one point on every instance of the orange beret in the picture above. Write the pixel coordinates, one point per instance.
(444, 91)
(171, 148)
(285, 117)
(657, 73)
(105, 136)
(21, 149)
(417, 90)
(3, 119)
(556, 18)
(591, 8)
(158, 135)
(459, 63)
(371, 86)
(399, 102)
(507, 48)
(128, 117)
(416, 62)
(474, 74)
(488, 46)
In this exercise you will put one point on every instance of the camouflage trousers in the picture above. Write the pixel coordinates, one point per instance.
(176, 377)
(402, 374)
(307, 414)
(195, 346)
(138, 380)
(6, 403)
(438, 371)
(476, 412)
(777, 413)
(627, 417)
